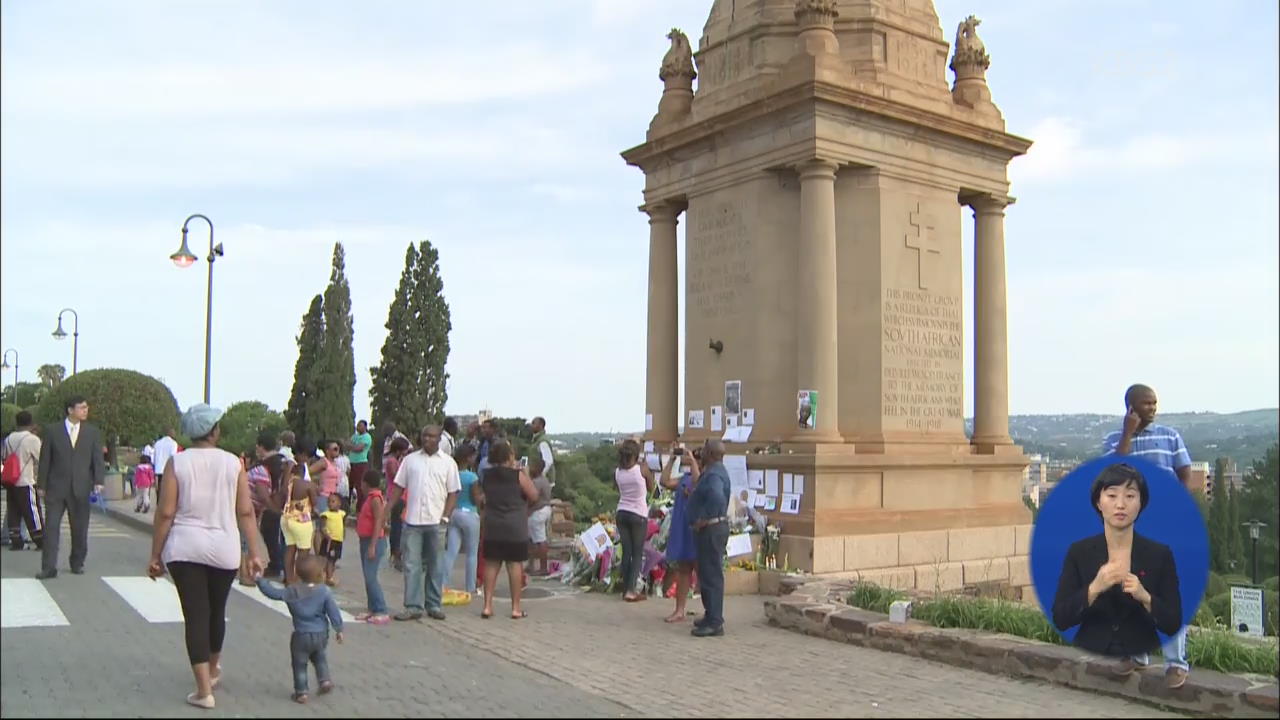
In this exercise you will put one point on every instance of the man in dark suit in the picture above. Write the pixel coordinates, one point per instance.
(71, 466)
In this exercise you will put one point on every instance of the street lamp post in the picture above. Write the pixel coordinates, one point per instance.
(5, 366)
(75, 333)
(185, 258)
(1255, 529)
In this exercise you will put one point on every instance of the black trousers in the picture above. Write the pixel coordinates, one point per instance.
(23, 506)
(77, 510)
(631, 528)
(711, 542)
(269, 526)
(203, 592)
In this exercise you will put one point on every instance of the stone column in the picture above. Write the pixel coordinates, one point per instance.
(817, 331)
(990, 326)
(661, 398)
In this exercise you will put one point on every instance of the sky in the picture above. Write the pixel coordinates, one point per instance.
(1142, 247)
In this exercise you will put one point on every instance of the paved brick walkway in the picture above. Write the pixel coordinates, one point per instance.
(625, 652)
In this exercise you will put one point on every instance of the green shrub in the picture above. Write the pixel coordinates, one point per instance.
(870, 596)
(8, 417)
(129, 407)
(1204, 617)
(1272, 584)
(1217, 585)
(995, 615)
(1236, 580)
(1220, 606)
(1220, 650)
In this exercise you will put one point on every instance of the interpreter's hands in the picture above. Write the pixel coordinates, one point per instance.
(338, 637)
(1133, 586)
(1108, 575)
(155, 568)
(1131, 422)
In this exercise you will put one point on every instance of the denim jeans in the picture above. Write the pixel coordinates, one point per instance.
(422, 548)
(1175, 652)
(304, 647)
(372, 588)
(631, 528)
(711, 542)
(464, 533)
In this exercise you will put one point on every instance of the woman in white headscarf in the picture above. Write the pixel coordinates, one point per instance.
(204, 495)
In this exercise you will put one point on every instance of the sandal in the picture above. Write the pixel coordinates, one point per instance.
(521, 616)
(326, 687)
(486, 615)
(300, 698)
(363, 617)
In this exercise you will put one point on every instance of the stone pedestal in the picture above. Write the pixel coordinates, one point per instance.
(822, 167)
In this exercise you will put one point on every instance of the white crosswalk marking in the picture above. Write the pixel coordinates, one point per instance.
(155, 600)
(277, 605)
(26, 603)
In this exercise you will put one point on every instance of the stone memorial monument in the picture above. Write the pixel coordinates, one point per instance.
(822, 165)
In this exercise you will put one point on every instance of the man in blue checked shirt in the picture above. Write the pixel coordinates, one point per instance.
(1163, 446)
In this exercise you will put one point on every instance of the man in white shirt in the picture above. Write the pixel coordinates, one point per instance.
(543, 446)
(23, 501)
(448, 438)
(166, 447)
(429, 482)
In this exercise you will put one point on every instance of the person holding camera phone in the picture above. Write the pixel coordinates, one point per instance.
(708, 512)
(1141, 436)
(682, 549)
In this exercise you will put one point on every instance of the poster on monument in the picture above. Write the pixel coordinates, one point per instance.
(755, 480)
(807, 409)
(749, 416)
(697, 419)
(791, 503)
(717, 418)
(731, 421)
(648, 422)
(733, 398)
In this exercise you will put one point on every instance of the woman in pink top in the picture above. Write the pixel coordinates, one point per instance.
(635, 482)
(204, 495)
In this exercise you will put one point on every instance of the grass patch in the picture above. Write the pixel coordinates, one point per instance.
(870, 596)
(991, 614)
(1220, 650)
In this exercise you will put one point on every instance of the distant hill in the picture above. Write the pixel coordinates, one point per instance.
(1243, 436)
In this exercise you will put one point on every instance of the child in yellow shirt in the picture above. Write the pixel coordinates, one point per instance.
(332, 526)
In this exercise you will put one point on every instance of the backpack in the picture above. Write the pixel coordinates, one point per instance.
(11, 472)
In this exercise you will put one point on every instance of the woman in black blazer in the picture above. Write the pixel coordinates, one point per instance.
(1119, 586)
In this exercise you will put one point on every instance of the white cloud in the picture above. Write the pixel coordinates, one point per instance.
(1063, 151)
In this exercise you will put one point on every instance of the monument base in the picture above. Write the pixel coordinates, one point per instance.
(930, 521)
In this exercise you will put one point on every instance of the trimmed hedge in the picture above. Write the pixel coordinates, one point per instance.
(130, 408)
(8, 417)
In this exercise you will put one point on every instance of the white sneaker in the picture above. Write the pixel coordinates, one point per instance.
(205, 702)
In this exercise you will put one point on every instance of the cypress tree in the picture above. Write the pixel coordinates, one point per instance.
(432, 311)
(1235, 541)
(331, 408)
(409, 385)
(391, 386)
(1219, 541)
(309, 341)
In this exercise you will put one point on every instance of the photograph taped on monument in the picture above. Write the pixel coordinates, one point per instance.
(1141, 549)
(733, 397)
(807, 409)
(697, 419)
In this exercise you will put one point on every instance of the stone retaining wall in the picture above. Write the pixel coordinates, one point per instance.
(807, 608)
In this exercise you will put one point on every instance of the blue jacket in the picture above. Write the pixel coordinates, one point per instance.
(710, 497)
(312, 606)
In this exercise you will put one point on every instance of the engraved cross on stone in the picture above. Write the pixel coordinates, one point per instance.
(922, 239)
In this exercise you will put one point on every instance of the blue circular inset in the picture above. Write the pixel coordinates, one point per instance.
(1171, 517)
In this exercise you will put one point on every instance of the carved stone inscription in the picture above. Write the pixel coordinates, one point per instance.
(923, 343)
(720, 258)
